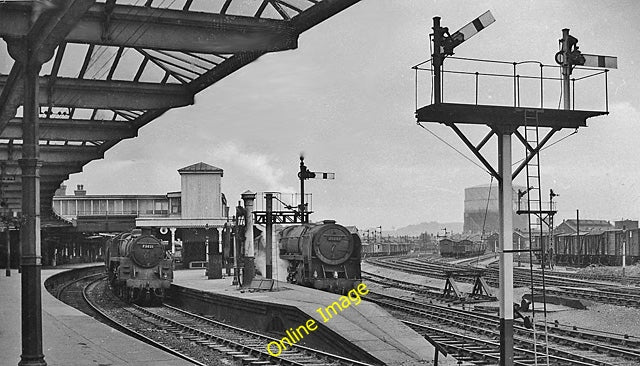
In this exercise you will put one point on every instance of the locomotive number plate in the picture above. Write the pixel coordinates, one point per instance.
(147, 246)
(334, 237)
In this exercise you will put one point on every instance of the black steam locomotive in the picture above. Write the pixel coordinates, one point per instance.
(139, 267)
(322, 255)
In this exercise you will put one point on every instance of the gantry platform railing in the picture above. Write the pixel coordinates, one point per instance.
(527, 84)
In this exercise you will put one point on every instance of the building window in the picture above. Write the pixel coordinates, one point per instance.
(161, 207)
(145, 206)
(175, 206)
(129, 207)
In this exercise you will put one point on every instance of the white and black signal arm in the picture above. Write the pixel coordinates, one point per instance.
(303, 175)
(570, 55)
(444, 44)
(317, 175)
(449, 42)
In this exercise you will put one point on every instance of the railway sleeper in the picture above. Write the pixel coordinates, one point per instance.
(248, 360)
(237, 354)
(256, 363)
(294, 356)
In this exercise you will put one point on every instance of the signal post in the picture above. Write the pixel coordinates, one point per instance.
(290, 216)
(503, 122)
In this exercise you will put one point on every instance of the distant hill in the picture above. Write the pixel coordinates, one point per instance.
(432, 227)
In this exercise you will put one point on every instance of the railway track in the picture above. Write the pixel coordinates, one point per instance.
(78, 293)
(473, 350)
(593, 277)
(566, 346)
(199, 340)
(604, 293)
(244, 345)
(431, 291)
(73, 293)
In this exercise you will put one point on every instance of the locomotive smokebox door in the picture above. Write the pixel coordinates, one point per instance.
(333, 244)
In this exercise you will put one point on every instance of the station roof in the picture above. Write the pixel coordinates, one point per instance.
(113, 66)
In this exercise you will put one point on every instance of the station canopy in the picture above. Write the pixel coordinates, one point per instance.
(113, 66)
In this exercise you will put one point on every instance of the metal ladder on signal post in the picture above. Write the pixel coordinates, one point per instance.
(534, 196)
(535, 213)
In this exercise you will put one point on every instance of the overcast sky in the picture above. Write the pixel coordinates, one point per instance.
(346, 99)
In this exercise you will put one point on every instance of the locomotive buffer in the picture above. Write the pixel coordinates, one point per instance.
(503, 122)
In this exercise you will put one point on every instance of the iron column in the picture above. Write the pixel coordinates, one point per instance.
(505, 203)
(31, 260)
(8, 236)
(249, 262)
(173, 240)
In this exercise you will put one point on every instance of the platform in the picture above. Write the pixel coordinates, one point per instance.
(70, 337)
(366, 325)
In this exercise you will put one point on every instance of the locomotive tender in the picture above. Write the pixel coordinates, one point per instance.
(323, 255)
(138, 266)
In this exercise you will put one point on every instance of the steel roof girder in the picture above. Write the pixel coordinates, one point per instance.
(56, 154)
(44, 186)
(41, 29)
(12, 168)
(44, 179)
(73, 130)
(166, 29)
(104, 94)
(319, 13)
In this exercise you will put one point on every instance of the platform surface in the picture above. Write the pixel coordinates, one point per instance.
(365, 325)
(70, 337)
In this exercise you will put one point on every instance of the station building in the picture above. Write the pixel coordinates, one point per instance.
(189, 219)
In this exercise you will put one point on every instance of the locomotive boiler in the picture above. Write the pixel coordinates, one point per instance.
(139, 267)
(321, 255)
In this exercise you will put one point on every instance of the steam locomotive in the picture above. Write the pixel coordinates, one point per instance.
(139, 267)
(323, 255)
